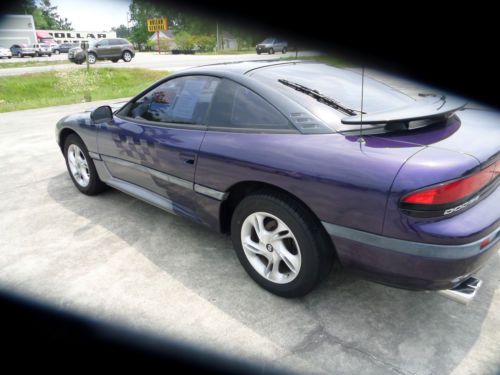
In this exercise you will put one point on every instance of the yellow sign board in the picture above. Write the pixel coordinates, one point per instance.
(157, 24)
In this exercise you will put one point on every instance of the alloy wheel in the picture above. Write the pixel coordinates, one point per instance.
(78, 165)
(271, 247)
(127, 56)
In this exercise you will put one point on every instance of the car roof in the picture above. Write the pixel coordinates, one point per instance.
(243, 67)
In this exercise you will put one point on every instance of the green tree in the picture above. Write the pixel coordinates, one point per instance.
(140, 11)
(43, 12)
(184, 40)
(205, 42)
(20, 7)
(122, 31)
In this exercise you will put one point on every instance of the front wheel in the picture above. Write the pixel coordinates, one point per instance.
(271, 51)
(284, 50)
(19, 54)
(127, 56)
(280, 244)
(81, 167)
(91, 58)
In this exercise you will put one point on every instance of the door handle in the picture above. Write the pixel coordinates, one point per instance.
(187, 158)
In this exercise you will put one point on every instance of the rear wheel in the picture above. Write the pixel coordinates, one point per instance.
(81, 167)
(284, 50)
(114, 60)
(280, 244)
(19, 54)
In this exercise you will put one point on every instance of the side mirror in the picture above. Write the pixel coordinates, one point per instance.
(101, 114)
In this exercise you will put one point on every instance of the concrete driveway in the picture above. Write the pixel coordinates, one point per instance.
(118, 259)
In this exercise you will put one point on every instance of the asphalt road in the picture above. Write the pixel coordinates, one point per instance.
(116, 258)
(143, 60)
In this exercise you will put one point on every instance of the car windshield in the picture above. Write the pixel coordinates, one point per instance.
(268, 41)
(341, 85)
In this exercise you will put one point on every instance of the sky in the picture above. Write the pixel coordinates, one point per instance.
(93, 15)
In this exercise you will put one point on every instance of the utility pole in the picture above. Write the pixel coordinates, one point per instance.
(217, 46)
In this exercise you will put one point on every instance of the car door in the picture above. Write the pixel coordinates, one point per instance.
(102, 48)
(154, 140)
(243, 131)
(114, 49)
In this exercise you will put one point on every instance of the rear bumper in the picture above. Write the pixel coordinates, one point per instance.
(408, 264)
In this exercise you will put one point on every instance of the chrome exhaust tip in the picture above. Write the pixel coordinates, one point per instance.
(464, 292)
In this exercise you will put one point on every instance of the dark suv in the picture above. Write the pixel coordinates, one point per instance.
(104, 49)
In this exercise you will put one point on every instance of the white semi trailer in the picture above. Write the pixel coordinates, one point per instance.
(17, 29)
(20, 29)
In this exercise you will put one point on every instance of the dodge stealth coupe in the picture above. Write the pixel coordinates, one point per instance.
(302, 173)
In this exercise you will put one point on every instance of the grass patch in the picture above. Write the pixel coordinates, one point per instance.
(335, 61)
(22, 64)
(72, 86)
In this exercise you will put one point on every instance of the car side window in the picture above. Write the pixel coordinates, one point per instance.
(183, 100)
(103, 42)
(237, 107)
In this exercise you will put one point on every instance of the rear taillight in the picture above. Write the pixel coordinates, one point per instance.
(449, 197)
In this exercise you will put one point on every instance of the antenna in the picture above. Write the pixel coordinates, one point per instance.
(361, 139)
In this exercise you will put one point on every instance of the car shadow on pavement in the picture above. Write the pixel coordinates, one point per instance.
(346, 324)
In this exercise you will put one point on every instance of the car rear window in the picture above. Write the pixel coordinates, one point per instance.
(342, 85)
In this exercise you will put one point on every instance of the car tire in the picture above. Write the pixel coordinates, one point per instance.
(258, 52)
(271, 51)
(114, 60)
(127, 56)
(49, 54)
(308, 248)
(9, 57)
(284, 50)
(92, 58)
(57, 52)
(19, 54)
(81, 169)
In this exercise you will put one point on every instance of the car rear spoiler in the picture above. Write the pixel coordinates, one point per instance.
(432, 107)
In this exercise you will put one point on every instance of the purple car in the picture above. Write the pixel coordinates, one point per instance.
(282, 156)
